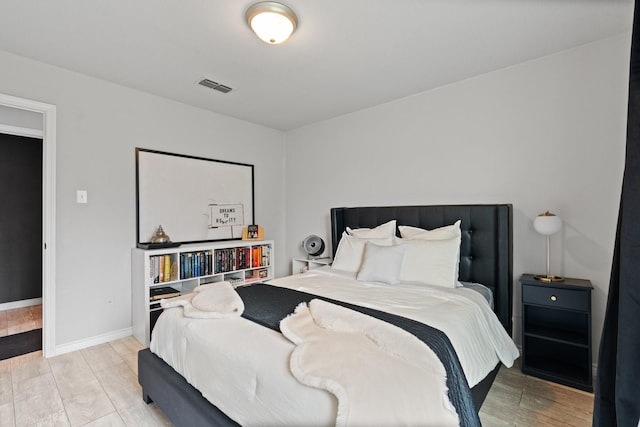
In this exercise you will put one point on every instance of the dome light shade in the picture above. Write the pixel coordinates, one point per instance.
(547, 223)
(271, 21)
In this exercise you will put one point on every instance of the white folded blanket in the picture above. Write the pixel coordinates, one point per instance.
(361, 360)
(211, 301)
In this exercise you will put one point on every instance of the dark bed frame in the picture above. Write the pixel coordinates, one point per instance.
(485, 257)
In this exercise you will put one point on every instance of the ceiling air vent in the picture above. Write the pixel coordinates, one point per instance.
(214, 85)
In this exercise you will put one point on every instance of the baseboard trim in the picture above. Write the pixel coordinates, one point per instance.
(90, 342)
(20, 304)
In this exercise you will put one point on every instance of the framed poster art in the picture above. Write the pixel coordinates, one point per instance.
(194, 199)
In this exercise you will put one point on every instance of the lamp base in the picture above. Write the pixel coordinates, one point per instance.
(549, 278)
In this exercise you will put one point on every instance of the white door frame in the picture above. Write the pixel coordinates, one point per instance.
(48, 215)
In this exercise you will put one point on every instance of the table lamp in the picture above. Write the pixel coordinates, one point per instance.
(547, 224)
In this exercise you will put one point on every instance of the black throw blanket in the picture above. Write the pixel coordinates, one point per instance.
(267, 305)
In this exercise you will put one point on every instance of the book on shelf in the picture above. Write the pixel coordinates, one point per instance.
(161, 269)
(154, 269)
(256, 256)
(163, 292)
(167, 268)
(186, 264)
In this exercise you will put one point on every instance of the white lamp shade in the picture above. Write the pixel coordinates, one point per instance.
(547, 224)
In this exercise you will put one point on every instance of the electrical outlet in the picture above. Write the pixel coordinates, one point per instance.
(81, 196)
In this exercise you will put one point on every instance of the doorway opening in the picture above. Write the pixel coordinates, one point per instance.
(21, 247)
(47, 259)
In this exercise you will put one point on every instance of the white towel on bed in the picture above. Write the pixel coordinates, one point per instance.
(211, 301)
(361, 359)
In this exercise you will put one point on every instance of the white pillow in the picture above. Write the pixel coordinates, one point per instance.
(348, 256)
(431, 262)
(387, 229)
(381, 263)
(446, 232)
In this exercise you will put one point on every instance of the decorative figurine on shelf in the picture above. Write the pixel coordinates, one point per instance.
(160, 236)
(159, 240)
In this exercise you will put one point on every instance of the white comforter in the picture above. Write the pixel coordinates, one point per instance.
(243, 368)
(332, 342)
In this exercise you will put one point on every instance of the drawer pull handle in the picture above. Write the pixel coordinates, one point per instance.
(554, 298)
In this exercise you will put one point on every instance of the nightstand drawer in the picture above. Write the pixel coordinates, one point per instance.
(554, 297)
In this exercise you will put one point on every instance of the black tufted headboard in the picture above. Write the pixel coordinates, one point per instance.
(486, 251)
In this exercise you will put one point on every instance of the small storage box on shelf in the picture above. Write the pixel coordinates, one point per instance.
(556, 331)
(157, 273)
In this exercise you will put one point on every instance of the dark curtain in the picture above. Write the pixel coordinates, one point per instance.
(617, 398)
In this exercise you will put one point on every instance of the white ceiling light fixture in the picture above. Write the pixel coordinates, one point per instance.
(273, 22)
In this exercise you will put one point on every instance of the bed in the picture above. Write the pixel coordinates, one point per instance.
(485, 257)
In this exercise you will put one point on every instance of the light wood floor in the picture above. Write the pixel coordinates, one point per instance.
(98, 386)
(516, 399)
(19, 320)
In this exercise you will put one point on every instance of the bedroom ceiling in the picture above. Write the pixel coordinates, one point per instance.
(344, 56)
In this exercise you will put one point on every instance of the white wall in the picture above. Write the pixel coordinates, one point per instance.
(546, 134)
(99, 125)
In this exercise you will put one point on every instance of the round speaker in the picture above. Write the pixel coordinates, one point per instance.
(313, 245)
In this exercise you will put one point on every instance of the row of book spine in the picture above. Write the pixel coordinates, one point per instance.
(160, 270)
(196, 264)
(201, 263)
(261, 256)
(232, 259)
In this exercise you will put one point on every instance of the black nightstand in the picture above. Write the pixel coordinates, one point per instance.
(556, 331)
